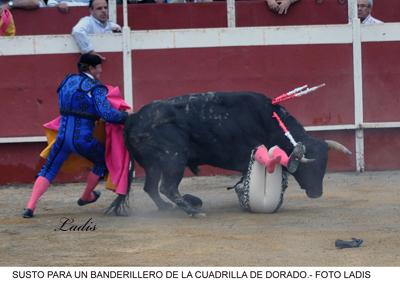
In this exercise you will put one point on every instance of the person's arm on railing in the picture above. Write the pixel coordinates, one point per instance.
(80, 34)
(280, 6)
(20, 4)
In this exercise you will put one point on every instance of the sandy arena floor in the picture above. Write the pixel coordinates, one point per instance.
(302, 233)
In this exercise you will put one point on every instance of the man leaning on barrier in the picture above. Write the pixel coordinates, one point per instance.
(96, 23)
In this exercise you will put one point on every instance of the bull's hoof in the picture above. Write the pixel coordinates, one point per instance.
(193, 201)
(186, 206)
(199, 215)
(194, 212)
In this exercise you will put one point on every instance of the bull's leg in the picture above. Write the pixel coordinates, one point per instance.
(171, 177)
(153, 176)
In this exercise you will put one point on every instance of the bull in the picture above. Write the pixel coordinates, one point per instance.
(219, 129)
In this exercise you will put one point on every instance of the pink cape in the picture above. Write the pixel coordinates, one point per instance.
(117, 157)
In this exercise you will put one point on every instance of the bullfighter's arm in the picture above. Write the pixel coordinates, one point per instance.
(104, 108)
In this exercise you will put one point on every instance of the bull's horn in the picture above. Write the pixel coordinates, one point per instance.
(337, 146)
(306, 160)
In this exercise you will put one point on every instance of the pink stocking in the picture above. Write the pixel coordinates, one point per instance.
(91, 183)
(39, 188)
(262, 156)
(278, 152)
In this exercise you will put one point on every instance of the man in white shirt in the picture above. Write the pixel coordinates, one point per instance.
(364, 12)
(96, 23)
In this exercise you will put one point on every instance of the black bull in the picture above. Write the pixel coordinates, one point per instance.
(218, 129)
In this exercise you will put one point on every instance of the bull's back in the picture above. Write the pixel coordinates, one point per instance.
(218, 129)
(207, 107)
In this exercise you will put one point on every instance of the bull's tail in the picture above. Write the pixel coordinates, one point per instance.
(120, 205)
(131, 172)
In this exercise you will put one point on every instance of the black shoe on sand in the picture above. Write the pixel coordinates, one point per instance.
(96, 196)
(28, 213)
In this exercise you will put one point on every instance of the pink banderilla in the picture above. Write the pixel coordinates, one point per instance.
(297, 92)
(276, 155)
(291, 162)
(284, 128)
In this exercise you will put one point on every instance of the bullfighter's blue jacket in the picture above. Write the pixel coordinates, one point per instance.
(81, 100)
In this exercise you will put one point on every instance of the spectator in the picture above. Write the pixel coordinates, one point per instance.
(7, 26)
(364, 12)
(96, 23)
(63, 5)
(280, 6)
(20, 4)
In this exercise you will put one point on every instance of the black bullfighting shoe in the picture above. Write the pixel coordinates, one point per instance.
(295, 157)
(193, 201)
(28, 213)
(96, 196)
(354, 242)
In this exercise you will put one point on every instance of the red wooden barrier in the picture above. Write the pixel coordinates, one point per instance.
(28, 83)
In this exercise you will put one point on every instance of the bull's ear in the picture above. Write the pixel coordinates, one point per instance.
(338, 146)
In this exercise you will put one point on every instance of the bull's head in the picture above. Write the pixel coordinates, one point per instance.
(311, 173)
